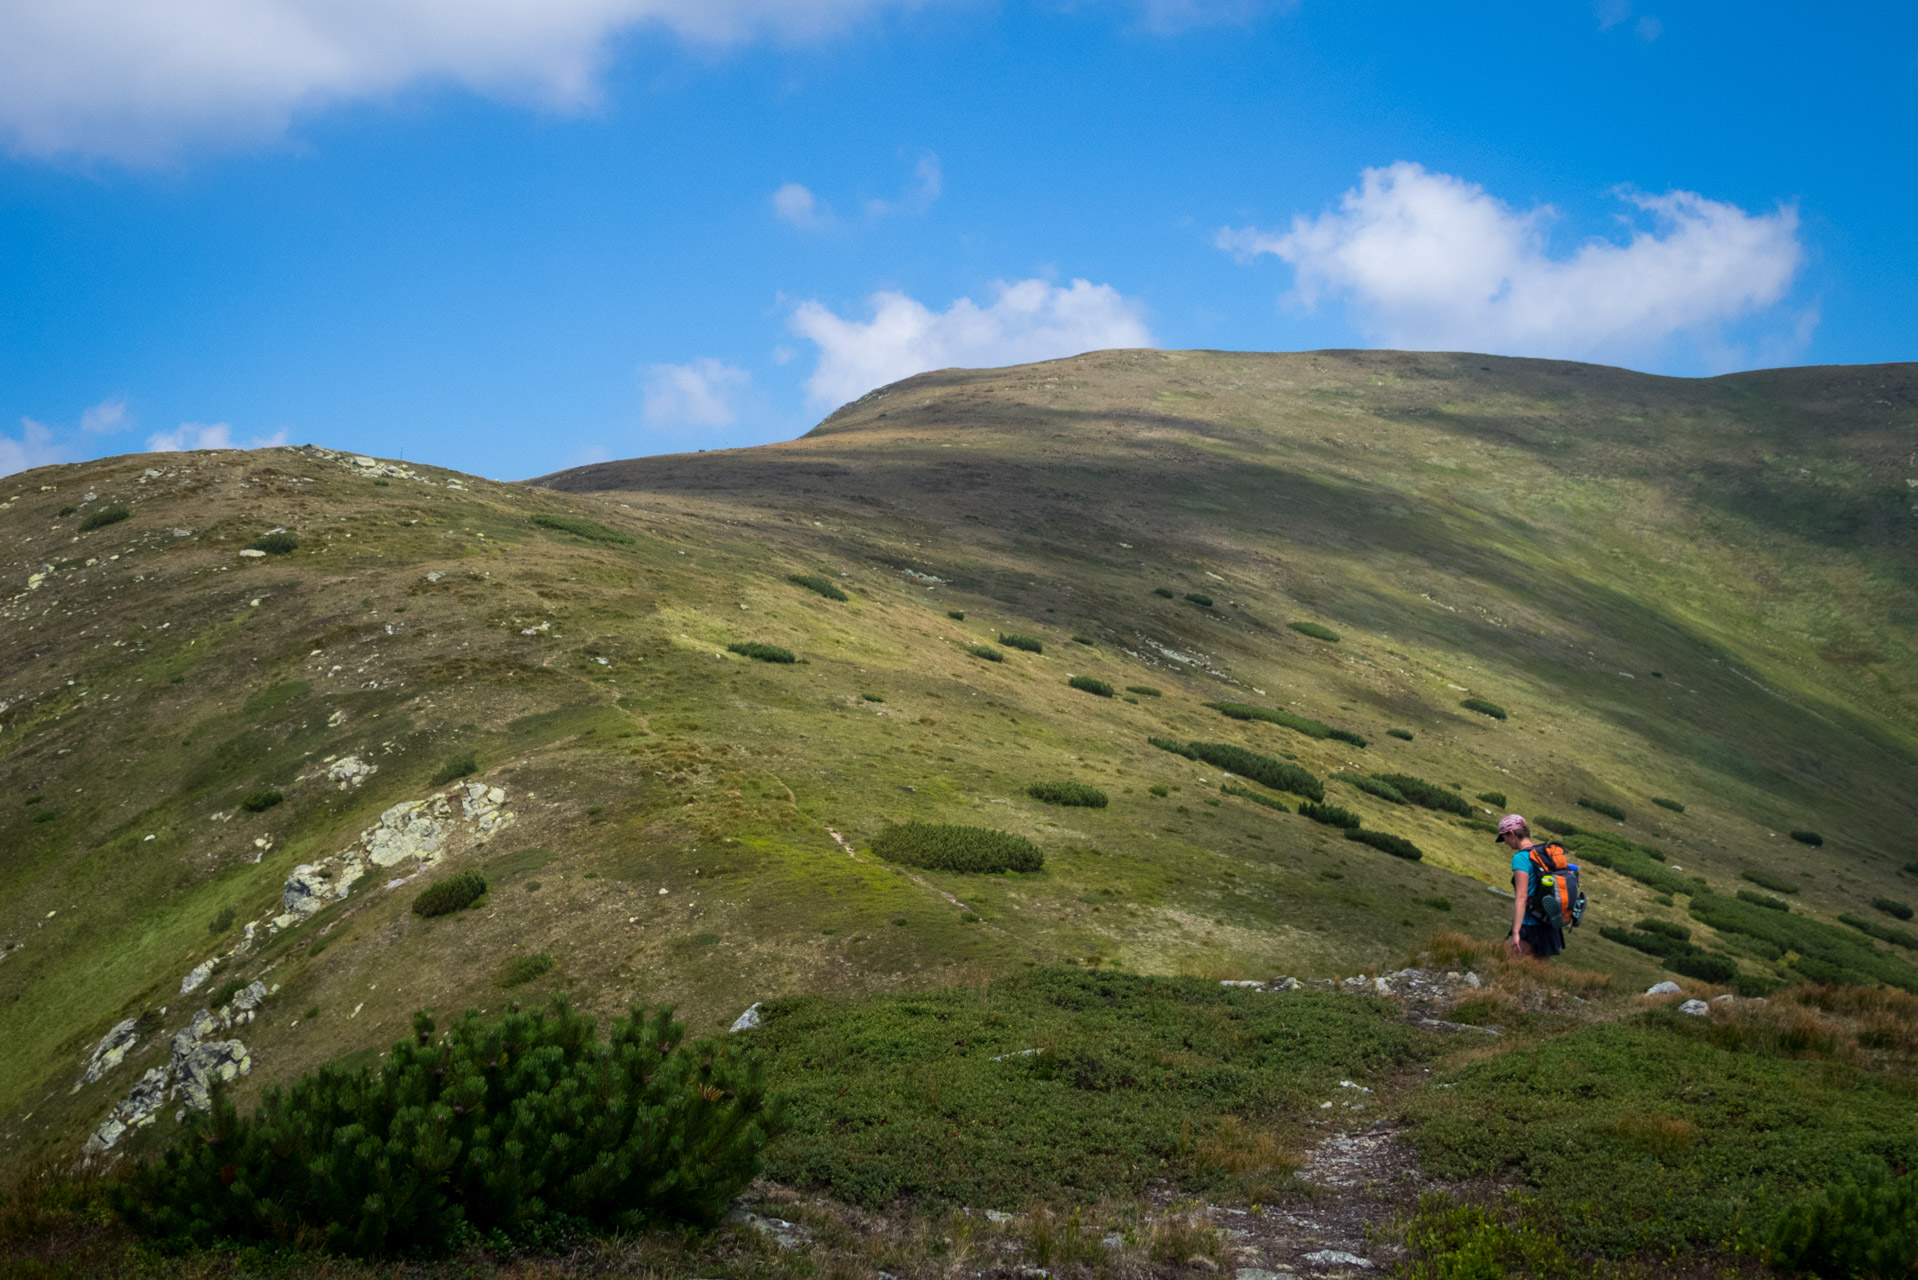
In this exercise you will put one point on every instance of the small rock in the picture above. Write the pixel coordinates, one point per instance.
(1727, 998)
(1257, 1273)
(1697, 1008)
(1240, 982)
(1471, 980)
(111, 1051)
(1338, 1258)
(251, 554)
(1288, 984)
(747, 1020)
(1666, 988)
(197, 976)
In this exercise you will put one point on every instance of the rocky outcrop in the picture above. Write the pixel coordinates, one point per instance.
(111, 1051)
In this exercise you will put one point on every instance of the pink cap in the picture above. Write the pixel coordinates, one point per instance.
(1512, 822)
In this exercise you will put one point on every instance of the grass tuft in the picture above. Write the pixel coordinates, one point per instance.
(458, 767)
(1485, 708)
(1143, 690)
(105, 516)
(985, 651)
(819, 586)
(1316, 631)
(517, 970)
(590, 530)
(1233, 789)
(762, 652)
(1664, 802)
(261, 801)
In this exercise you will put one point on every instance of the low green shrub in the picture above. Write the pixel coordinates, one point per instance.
(1766, 880)
(1881, 931)
(591, 530)
(221, 995)
(1084, 640)
(455, 893)
(520, 1124)
(1301, 724)
(222, 920)
(1403, 734)
(1372, 786)
(1160, 789)
(1671, 929)
(68, 510)
(1316, 631)
(1200, 599)
(1811, 838)
(1892, 907)
(1824, 953)
(1276, 774)
(1397, 846)
(1611, 811)
(1639, 862)
(1559, 825)
(1658, 944)
(985, 651)
(1166, 592)
(762, 652)
(1233, 789)
(1765, 900)
(1437, 904)
(939, 846)
(275, 544)
(105, 516)
(457, 767)
(1348, 735)
(1664, 803)
(1013, 640)
(957, 615)
(1087, 684)
(821, 586)
(1068, 793)
(1329, 814)
(1494, 798)
(518, 970)
(261, 801)
(1143, 690)
(1863, 1226)
(1485, 708)
(1427, 795)
(1703, 966)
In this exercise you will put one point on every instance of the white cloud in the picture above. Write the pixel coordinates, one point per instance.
(1429, 261)
(34, 448)
(703, 393)
(107, 416)
(207, 435)
(1030, 320)
(136, 80)
(795, 204)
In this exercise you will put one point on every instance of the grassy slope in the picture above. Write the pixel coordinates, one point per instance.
(1522, 531)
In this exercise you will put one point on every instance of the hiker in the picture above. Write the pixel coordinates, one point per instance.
(1531, 934)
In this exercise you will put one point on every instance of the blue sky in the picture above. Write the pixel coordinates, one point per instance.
(510, 237)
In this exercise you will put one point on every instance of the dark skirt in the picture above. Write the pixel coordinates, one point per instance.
(1546, 940)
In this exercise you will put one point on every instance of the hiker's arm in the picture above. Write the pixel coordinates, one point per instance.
(1522, 882)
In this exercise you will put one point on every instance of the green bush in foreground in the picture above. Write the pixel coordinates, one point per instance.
(518, 970)
(1403, 734)
(1013, 640)
(1766, 880)
(1494, 798)
(1143, 690)
(1485, 708)
(939, 846)
(1068, 793)
(1397, 846)
(1863, 1227)
(761, 652)
(820, 586)
(103, 517)
(521, 1124)
(1427, 795)
(457, 767)
(1316, 631)
(591, 530)
(1330, 814)
(985, 651)
(1086, 684)
(275, 544)
(1611, 811)
(1811, 838)
(1892, 907)
(1664, 803)
(261, 801)
(1203, 601)
(455, 893)
(1276, 774)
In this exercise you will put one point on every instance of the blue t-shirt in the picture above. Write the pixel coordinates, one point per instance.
(1522, 861)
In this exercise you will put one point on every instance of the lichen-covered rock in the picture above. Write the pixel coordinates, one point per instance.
(197, 976)
(111, 1051)
(350, 771)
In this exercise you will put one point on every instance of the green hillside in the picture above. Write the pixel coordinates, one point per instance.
(1694, 593)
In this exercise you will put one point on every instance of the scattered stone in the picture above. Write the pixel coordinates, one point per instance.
(1440, 1024)
(1338, 1258)
(1287, 984)
(1259, 1273)
(197, 976)
(1727, 998)
(1667, 988)
(111, 1051)
(746, 1021)
(1240, 982)
(1697, 1008)
(251, 554)
(350, 771)
(787, 1235)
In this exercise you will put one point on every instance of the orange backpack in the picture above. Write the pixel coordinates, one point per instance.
(1553, 894)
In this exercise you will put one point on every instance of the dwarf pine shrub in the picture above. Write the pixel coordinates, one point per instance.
(455, 893)
(1824, 953)
(1300, 724)
(1892, 907)
(1766, 880)
(68, 510)
(591, 530)
(1164, 591)
(1397, 846)
(105, 516)
(518, 970)
(985, 651)
(1427, 795)
(1765, 900)
(1670, 929)
(1087, 684)
(1404, 734)
(761, 652)
(1611, 811)
(1200, 599)
(1013, 640)
(957, 615)
(1704, 966)
(1068, 793)
(1494, 798)
(523, 1124)
(261, 801)
(1866, 1226)
(1246, 793)
(1143, 690)
(1372, 787)
(1485, 708)
(820, 586)
(1666, 803)
(275, 544)
(1878, 930)
(939, 846)
(1316, 631)
(1559, 825)
(222, 920)
(1658, 944)
(1330, 814)
(457, 767)
(1811, 838)
(1276, 774)
(1084, 640)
